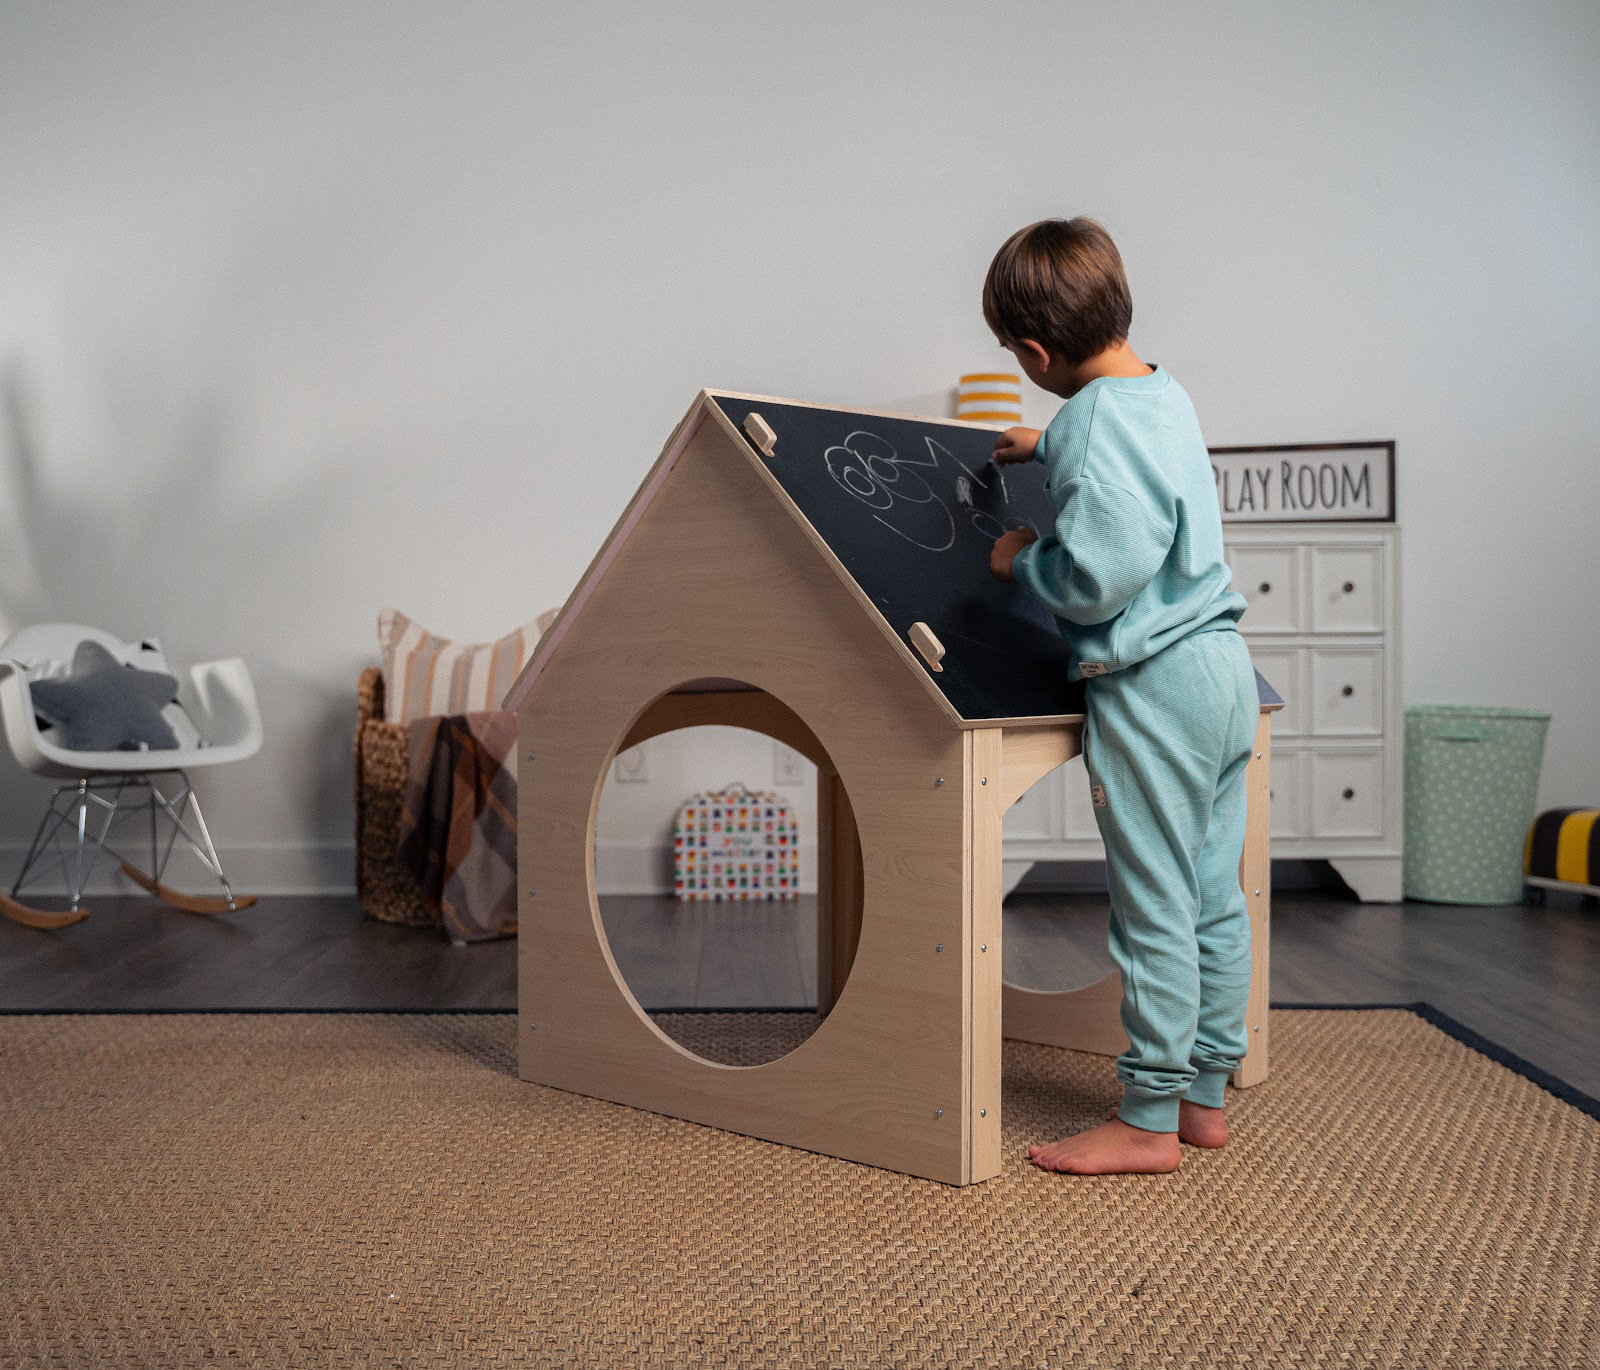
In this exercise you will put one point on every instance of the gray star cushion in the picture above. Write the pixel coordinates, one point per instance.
(104, 706)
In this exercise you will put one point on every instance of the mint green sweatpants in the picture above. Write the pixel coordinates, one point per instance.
(1166, 742)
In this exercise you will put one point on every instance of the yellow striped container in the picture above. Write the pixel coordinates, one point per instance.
(1563, 852)
(990, 397)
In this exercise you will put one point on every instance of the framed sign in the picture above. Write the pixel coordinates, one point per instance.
(1347, 482)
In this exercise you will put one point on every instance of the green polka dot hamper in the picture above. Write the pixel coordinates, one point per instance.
(1472, 780)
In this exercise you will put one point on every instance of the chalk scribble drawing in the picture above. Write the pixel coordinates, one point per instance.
(901, 498)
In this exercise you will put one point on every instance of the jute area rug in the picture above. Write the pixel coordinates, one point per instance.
(355, 1189)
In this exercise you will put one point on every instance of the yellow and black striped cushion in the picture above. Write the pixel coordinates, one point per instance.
(1564, 844)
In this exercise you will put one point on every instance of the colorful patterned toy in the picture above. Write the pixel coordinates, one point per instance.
(735, 843)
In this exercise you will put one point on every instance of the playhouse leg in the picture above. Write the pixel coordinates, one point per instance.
(838, 887)
(986, 808)
(1255, 876)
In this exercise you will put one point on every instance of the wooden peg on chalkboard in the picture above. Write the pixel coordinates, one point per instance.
(927, 644)
(761, 433)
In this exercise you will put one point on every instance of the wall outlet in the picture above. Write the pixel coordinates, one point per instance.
(631, 767)
(788, 766)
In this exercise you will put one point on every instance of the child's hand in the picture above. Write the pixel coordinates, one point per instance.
(1016, 444)
(1005, 552)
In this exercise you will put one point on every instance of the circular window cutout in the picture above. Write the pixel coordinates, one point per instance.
(1055, 920)
(709, 841)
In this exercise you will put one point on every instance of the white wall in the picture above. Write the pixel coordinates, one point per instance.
(307, 309)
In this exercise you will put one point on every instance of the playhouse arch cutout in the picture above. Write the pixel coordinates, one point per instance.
(832, 837)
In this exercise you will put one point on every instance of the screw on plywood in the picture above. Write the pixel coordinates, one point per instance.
(984, 781)
(938, 1113)
(984, 947)
(533, 756)
(531, 893)
(983, 1113)
(938, 946)
(938, 782)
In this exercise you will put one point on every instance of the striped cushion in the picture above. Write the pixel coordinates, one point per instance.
(1564, 844)
(424, 675)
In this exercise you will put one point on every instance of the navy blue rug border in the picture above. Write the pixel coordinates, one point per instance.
(1475, 1041)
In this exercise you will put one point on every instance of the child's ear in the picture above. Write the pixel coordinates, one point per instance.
(1037, 349)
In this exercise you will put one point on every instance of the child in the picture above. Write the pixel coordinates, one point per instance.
(1134, 575)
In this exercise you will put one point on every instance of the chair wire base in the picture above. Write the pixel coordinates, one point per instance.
(76, 829)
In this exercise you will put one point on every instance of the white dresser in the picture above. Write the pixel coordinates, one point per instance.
(1324, 629)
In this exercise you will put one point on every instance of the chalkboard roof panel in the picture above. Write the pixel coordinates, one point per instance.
(905, 510)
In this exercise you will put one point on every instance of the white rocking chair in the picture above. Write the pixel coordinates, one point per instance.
(219, 722)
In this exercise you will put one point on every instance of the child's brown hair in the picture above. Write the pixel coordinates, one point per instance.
(1059, 282)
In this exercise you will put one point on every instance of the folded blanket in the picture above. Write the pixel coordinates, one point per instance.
(458, 821)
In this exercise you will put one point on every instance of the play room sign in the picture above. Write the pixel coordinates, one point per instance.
(1346, 481)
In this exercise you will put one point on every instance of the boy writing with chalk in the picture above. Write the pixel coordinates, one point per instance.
(1134, 573)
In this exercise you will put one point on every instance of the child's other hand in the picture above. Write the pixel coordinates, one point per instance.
(1016, 444)
(1005, 552)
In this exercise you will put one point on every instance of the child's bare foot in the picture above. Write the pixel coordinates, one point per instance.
(1199, 1125)
(1113, 1148)
(1202, 1126)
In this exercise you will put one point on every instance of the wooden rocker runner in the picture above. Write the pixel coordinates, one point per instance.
(821, 576)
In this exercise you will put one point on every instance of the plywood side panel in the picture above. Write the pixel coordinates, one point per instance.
(884, 1078)
(1030, 754)
(752, 709)
(838, 887)
(1087, 1019)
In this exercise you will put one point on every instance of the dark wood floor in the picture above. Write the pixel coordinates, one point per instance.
(1528, 979)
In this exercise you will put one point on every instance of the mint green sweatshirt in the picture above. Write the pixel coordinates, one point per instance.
(1135, 562)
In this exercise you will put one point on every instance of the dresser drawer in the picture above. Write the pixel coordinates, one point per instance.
(1347, 590)
(1288, 794)
(1346, 691)
(1269, 579)
(1346, 794)
(1283, 668)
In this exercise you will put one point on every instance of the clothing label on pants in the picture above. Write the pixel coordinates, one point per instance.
(1090, 668)
(1098, 794)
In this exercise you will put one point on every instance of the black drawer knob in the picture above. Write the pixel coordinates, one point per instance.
(1349, 587)
(1349, 794)
(1266, 587)
(1348, 691)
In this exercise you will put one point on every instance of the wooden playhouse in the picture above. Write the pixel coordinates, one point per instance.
(820, 576)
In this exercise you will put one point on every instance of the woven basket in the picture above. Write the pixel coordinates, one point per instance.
(385, 889)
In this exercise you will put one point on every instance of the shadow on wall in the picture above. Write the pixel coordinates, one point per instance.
(170, 550)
